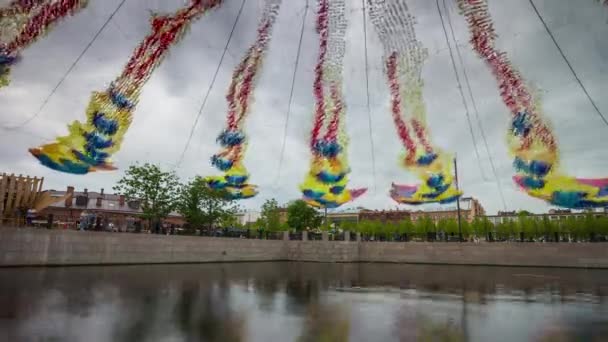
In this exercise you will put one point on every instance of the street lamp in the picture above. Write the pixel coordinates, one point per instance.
(458, 201)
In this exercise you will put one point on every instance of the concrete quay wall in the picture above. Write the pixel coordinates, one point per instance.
(22, 247)
(29, 247)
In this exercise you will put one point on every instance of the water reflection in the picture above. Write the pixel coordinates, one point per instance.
(303, 302)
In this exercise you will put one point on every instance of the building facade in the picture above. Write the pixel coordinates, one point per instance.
(108, 210)
(553, 215)
(384, 216)
(470, 208)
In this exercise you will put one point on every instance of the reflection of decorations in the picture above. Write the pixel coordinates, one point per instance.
(325, 323)
(405, 56)
(89, 145)
(233, 139)
(22, 22)
(326, 181)
(531, 140)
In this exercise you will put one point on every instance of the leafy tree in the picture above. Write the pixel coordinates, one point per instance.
(389, 229)
(442, 225)
(155, 189)
(229, 220)
(510, 229)
(589, 226)
(451, 226)
(271, 217)
(503, 229)
(478, 227)
(424, 226)
(205, 207)
(547, 228)
(570, 226)
(406, 227)
(284, 227)
(366, 228)
(300, 216)
(602, 224)
(465, 227)
(349, 225)
(525, 226)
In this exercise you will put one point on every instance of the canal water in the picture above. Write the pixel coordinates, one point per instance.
(285, 301)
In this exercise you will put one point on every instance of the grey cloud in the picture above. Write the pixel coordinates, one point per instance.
(172, 97)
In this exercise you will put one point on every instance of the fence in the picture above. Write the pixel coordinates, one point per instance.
(326, 236)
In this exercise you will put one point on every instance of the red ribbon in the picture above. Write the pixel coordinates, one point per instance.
(402, 130)
(512, 87)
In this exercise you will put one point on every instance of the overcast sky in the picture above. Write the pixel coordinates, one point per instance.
(170, 100)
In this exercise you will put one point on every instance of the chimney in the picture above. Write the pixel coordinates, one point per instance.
(69, 200)
(86, 192)
(101, 192)
(121, 200)
(98, 202)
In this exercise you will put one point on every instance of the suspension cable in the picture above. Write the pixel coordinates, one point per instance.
(293, 83)
(464, 102)
(369, 112)
(206, 97)
(561, 52)
(65, 75)
(474, 104)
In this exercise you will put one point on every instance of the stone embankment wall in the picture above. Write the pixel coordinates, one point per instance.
(57, 247)
(23, 247)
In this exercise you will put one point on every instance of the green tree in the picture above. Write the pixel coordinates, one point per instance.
(602, 224)
(569, 227)
(229, 220)
(155, 190)
(205, 207)
(271, 217)
(477, 227)
(589, 225)
(465, 227)
(525, 227)
(547, 228)
(503, 229)
(349, 226)
(300, 216)
(442, 225)
(423, 226)
(366, 228)
(406, 227)
(389, 229)
(451, 226)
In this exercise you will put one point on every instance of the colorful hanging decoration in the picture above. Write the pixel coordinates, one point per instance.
(89, 145)
(404, 58)
(530, 139)
(233, 139)
(325, 183)
(22, 22)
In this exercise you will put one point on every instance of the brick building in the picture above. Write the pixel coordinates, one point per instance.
(470, 208)
(107, 208)
(384, 216)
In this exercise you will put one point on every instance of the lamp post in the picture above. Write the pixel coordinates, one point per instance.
(458, 201)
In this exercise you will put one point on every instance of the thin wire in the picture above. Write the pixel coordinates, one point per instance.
(293, 84)
(369, 111)
(464, 102)
(580, 83)
(474, 103)
(65, 75)
(206, 97)
(24, 132)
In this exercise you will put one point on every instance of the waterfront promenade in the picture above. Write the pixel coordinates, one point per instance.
(41, 247)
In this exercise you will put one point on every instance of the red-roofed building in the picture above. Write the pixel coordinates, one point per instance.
(107, 208)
